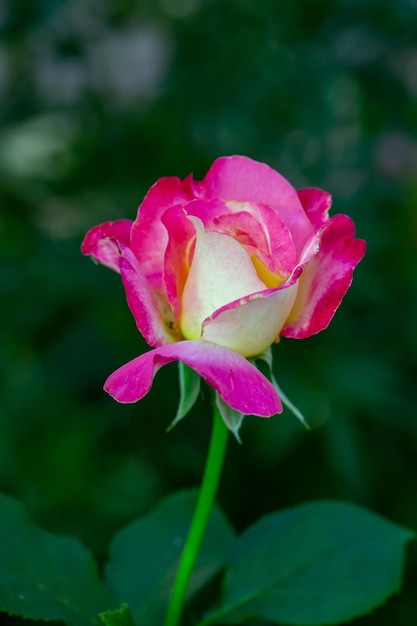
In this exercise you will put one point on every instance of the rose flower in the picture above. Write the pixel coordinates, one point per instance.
(216, 271)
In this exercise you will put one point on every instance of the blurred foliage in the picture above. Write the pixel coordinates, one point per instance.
(98, 99)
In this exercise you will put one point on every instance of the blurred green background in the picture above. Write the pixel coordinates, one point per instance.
(98, 99)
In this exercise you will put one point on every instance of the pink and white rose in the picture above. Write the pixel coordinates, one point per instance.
(215, 271)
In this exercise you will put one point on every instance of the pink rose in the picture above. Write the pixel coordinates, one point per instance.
(215, 271)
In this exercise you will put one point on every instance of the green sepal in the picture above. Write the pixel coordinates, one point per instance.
(266, 357)
(189, 390)
(233, 419)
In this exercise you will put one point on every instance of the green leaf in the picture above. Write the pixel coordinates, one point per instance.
(119, 617)
(189, 390)
(43, 576)
(320, 563)
(145, 554)
(233, 419)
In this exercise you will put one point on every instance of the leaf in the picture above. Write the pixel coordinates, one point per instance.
(44, 576)
(119, 617)
(320, 563)
(145, 554)
(189, 390)
(233, 419)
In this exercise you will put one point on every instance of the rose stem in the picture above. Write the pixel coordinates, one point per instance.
(206, 496)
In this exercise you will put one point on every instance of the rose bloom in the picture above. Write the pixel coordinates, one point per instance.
(215, 271)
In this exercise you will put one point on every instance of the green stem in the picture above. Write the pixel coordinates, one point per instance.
(207, 494)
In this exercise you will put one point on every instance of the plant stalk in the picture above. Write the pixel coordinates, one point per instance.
(206, 496)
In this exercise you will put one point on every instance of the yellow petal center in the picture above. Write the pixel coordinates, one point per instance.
(270, 279)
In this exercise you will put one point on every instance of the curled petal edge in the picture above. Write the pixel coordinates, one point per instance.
(101, 242)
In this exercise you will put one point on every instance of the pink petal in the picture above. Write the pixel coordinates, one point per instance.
(178, 255)
(280, 243)
(250, 325)
(325, 279)
(221, 272)
(257, 227)
(244, 180)
(281, 240)
(151, 320)
(149, 236)
(236, 380)
(101, 242)
(243, 227)
(316, 203)
(207, 211)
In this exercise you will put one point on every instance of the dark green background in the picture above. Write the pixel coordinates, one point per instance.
(100, 98)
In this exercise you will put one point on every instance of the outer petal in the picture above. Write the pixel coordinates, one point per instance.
(316, 204)
(150, 317)
(244, 180)
(325, 279)
(236, 380)
(221, 272)
(101, 242)
(149, 236)
(250, 325)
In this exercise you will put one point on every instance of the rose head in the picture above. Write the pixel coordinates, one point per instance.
(215, 271)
